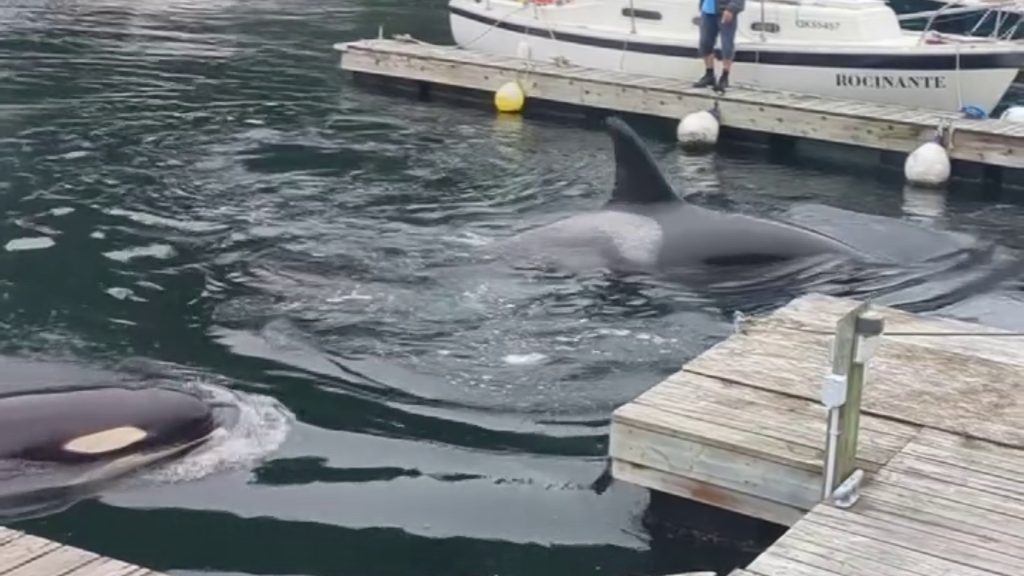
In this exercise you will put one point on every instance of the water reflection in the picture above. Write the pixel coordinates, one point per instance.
(925, 205)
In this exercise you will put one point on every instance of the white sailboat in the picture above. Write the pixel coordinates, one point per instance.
(851, 49)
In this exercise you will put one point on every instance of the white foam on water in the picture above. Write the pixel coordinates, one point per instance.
(352, 295)
(525, 359)
(470, 238)
(37, 243)
(161, 251)
(120, 293)
(190, 225)
(261, 427)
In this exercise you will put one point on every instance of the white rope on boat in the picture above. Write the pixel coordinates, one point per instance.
(496, 23)
(625, 43)
(560, 59)
(547, 26)
(959, 90)
(944, 132)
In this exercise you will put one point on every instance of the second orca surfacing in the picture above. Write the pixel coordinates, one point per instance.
(646, 227)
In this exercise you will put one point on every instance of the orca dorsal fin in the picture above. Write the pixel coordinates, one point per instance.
(638, 180)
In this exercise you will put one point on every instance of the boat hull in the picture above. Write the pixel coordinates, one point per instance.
(890, 78)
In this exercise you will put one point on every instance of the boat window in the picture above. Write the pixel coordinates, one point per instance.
(765, 26)
(639, 13)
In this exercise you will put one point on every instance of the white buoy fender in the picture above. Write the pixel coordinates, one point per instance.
(1013, 114)
(928, 165)
(698, 130)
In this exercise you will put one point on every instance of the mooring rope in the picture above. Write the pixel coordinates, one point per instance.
(497, 22)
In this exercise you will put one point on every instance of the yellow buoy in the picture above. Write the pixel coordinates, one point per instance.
(509, 98)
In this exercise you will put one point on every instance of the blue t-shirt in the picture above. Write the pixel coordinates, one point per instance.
(707, 6)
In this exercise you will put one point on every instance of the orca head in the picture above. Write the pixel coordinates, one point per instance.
(97, 424)
(638, 180)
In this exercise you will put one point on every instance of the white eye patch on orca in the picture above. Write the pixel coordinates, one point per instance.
(104, 441)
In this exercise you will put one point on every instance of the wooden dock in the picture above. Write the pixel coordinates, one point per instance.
(941, 444)
(887, 128)
(22, 554)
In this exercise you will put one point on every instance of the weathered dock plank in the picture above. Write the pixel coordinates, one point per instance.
(6, 535)
(820, 313)
(58, 561)
(941, 444)
(23, 554)
(875, 126)
(110, 567)
(21, 550)
(947, 388)
(901, 526)
(732, 448)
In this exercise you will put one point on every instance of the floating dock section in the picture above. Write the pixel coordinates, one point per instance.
(22, 554)
(888, 128)
(939, 443)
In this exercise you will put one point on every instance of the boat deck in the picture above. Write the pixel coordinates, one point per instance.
(941, 444)
(852, 122)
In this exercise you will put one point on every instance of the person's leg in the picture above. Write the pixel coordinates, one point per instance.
(706, 48)
(728, 51)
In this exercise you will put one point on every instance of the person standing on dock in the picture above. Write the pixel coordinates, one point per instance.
(717, 16)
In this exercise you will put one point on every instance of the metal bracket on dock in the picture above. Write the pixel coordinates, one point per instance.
(847, 493)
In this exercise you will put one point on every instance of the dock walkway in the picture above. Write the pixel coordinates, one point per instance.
(22, 554)
(891, 128)
(941, 444)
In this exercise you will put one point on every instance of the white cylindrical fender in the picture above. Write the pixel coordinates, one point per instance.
(928, 165)
(698, 130)
(1013, 114)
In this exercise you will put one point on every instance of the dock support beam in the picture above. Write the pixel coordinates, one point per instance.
(857, 336)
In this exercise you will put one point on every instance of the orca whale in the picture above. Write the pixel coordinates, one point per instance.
(99, 424)
(646, 227)
(63, 444)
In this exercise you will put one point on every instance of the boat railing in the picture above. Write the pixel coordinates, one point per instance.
(953, 8)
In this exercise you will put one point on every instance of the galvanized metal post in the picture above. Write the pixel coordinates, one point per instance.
(857, 336)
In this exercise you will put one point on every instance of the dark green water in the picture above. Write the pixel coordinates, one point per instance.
(203, 189)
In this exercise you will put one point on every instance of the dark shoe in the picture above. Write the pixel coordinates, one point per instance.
(705, 81)
(722, 84)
